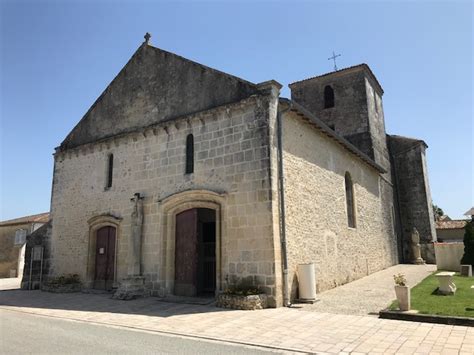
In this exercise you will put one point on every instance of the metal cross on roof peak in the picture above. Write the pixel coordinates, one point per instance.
(147, 37)
(334, 56)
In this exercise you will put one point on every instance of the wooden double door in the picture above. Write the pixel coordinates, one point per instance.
(105, 258)
(195, 253)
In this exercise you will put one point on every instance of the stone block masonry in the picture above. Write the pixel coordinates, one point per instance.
(414, 195)
(231, 160)
(317, 226)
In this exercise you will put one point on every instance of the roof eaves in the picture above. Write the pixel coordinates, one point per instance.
(340, 71)
(36, 218)
(414, 140)
(301, 111)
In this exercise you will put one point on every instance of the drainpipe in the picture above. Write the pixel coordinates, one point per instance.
(286, 296)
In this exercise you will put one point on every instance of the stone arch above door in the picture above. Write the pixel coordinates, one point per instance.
(96, 223)
(177, 203)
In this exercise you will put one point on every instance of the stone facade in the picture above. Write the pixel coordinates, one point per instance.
(36, 269)
(414, 194)
(12, 252)
(232, 175)
(317, 228)
(358, 116)
(244, 165)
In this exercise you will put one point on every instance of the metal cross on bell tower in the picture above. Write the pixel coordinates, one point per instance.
(334, 56)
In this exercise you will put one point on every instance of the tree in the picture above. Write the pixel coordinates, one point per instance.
(437, 212)
(468, 257)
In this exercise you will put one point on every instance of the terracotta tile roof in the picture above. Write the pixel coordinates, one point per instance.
(454, 224)
(36, 218)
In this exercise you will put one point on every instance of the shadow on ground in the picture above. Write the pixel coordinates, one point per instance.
(87, 302)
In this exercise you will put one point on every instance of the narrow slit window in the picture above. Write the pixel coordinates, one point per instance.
(328, 97)
(110, 170)
(189, 154)
(351, 222)
(376, 104)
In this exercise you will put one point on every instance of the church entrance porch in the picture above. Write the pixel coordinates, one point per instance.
(105, 258)
(195, 253)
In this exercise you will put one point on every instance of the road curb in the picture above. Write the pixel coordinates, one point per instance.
(426, 318)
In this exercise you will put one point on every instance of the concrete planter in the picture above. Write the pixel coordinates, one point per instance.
(66, 288)
(251, 302)
(403, 297)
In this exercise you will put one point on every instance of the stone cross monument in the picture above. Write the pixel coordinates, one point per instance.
(134, 285)
(415, 248)
(135, 237)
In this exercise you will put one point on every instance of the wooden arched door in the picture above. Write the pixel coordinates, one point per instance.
(105, 258)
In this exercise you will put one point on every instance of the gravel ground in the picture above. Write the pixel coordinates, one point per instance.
(367, 295)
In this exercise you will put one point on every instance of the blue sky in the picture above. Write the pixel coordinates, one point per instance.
(58, 56)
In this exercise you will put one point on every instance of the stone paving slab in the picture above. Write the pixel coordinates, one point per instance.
(369, 294)
(283, 328)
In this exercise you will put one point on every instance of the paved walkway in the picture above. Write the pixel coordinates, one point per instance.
(370, 294)
(283, 328)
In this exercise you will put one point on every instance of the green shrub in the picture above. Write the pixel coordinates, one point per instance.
(468, 257)
(400, 280)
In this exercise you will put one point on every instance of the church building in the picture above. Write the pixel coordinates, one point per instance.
(184, 180)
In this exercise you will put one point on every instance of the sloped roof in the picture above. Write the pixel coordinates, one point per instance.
(36, 218)
(453, 224)
(154, 86)
(470, 212)
(308, 116)
(362, 66)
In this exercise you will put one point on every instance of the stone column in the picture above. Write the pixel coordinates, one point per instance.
(134, 285)
(135, 237)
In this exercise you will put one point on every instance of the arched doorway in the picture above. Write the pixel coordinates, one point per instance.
(195, 253)
(104, 275)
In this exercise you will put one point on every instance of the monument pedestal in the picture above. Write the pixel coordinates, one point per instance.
(130, 288)
(418, 261)
(446, 283)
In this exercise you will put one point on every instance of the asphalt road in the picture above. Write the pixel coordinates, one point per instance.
(22, 333)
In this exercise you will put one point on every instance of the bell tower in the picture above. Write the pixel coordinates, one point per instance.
(350, 102)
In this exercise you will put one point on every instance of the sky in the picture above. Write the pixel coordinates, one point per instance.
(58, 56)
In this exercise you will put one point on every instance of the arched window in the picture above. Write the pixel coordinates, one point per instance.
(189, 154)
(328, 97)
(350, 203)
(110, 170)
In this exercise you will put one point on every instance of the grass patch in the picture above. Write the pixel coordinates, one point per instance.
(425, 299)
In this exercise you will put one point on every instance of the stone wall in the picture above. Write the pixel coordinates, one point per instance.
(36, 271)
(414, 195)
(448, 256)
(450, 235)
(9, 252)
(232, 161)
(317, 227)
